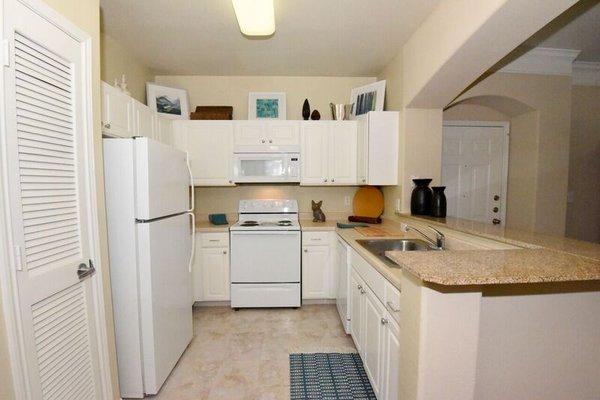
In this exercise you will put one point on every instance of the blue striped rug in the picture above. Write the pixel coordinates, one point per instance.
(329, 376)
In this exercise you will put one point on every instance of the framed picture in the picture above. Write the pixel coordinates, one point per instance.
(368, 98)
(169, 102)
(266, 105)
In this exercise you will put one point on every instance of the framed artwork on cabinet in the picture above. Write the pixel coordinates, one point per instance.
(167, 101)
(262, 105)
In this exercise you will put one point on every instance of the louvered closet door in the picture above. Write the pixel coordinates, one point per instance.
(49, 203)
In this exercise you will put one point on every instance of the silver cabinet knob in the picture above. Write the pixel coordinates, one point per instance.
(263, 141)
(496, 197)
(224, 251)
(306, 250)
(270, 141)
(359, 287)
(107, 125)
(384, 321)
(325, 180)
(362, 291)
(230, 181)
(332, 180)
(364, 180)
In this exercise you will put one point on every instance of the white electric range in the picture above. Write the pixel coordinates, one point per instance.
(265, 255)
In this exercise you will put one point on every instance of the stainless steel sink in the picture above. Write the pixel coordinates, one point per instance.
(378, 247)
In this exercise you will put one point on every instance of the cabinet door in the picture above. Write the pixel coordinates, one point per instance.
(362, 150)
(342, 167)
(210, 148)
(373, 338)
(117, 112)
(250, 133)
(283, 133)
(144, 121)
(165, 130)
(357, 307)
(390, 375)
(316, 272)
(314, 153)
(215, 274)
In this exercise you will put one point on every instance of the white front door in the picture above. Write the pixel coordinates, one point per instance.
(474, 170)
(52, 225)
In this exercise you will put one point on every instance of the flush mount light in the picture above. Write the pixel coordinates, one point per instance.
(255, 17)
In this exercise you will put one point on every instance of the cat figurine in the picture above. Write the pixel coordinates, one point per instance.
(318, 215)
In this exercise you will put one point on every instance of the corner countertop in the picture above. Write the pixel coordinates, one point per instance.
(206, 226)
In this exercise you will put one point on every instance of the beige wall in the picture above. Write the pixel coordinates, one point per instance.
(116, 60)
(473, 112)
(226, 199)
(550, 97)
(583, 214)
(233, 91)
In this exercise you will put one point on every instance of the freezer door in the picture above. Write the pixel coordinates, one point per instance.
(164, 249)
(162, 180)
(265, 256)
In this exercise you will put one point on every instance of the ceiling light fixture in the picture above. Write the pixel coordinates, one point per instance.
(255, 17)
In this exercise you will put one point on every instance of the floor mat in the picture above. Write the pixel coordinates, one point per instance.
(329, 376)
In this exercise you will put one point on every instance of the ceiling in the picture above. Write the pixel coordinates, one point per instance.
(312, 37)
(577, 29)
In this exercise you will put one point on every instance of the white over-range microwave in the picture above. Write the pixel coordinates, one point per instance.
(266, 167)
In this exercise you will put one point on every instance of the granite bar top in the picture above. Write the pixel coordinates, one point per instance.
(486, 267)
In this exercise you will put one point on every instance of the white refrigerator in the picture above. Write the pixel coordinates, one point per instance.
(151, 240)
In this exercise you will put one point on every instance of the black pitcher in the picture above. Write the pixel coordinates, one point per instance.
(421, 197)
(438, 204)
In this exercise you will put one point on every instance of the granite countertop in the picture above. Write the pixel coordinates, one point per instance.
(513, 236)
(206, 226)
(309, 225)
(485, 267)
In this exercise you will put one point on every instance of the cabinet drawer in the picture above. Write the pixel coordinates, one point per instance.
(215, 239)
(374, 279)
(316, 238)
(392, 300)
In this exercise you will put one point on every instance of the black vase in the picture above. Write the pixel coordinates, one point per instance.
(438, 204)
(421, 197)
(306, 110)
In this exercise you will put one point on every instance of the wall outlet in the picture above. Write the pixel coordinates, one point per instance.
(346, 200)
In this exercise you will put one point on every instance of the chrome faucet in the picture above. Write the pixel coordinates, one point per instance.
(440, 240)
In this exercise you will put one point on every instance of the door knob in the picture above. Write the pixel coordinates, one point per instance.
(496, 221)
(84, 270)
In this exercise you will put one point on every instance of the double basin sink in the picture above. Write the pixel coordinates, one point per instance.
(378, 247)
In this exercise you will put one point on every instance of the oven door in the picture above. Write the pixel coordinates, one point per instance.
(266, 168)
(265, 256)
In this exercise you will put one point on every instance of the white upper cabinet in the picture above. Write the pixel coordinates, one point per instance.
(210, 148)
(377, 157)
(145, 120)
(314, 154)
(328, 152)
(117, 112)
(266, 135)
(164, 130)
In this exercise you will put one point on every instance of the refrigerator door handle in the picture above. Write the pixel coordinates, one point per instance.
(193, 200)
(193, 250)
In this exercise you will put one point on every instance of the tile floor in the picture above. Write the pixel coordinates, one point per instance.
(244, 354)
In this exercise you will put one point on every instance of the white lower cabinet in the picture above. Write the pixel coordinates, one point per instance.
(319, 266)
(211, 267)
(376, 334)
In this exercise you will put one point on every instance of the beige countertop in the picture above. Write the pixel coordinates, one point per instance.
(514, 236)
(309, 225)
(206, 226)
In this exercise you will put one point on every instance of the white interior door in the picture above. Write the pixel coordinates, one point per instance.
(51, 216)
(474, 170)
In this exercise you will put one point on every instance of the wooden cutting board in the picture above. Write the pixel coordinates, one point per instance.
(372, 231)
(368, 202)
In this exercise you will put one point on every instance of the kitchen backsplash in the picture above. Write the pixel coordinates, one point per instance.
(211, 200)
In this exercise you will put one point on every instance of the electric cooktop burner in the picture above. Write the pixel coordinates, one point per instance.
(249, 223)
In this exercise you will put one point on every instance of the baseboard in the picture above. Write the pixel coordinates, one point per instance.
(212, 304)
(309, 302)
